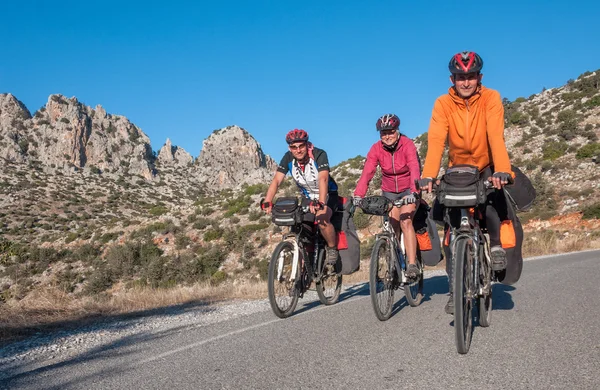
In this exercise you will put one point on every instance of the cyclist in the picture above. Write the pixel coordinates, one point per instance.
(309, 167)
(397, 156)
(471, 117)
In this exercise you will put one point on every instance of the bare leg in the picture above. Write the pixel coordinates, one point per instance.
(323, 217)
(401, 219)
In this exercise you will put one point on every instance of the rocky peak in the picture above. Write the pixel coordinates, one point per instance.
(170, 155)
(231, 157)
(14, 118)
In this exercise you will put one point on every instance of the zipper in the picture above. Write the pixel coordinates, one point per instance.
(394, 168)
(467, 132)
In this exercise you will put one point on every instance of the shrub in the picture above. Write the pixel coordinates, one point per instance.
(218, 278)
(551, 150)
(592, 212)
(361, 220)
(588, 150)
(158, 210)
(213, 234)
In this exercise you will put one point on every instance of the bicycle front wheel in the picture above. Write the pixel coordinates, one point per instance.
(330, 284)
(413, 290)
(463, 294)
(381, 280)
(484, 302)
(283, 294)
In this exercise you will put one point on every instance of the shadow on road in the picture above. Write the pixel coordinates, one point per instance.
(352, 291)
(27, 376)
(52, 333)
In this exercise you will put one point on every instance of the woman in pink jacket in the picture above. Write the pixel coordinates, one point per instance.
(397, 156)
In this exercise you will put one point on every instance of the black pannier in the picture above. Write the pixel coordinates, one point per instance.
(376, 205)
(461, 186)
(286, 212)
(521, 193)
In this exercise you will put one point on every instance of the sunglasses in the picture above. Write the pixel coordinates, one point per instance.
(387, 132)
(297, 147)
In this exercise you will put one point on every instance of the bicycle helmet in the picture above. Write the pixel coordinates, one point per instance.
(388, 122)
(465, 62)
(296, 135)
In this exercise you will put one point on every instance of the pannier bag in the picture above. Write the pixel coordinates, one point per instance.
(461, 187)
(286, 212)
(376, 205)
(348, 241)
(521, 193)
(429, 248)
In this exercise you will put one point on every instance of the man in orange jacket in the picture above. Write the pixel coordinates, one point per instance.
(471, 117)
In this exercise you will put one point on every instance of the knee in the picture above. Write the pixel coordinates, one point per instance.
(405, 221)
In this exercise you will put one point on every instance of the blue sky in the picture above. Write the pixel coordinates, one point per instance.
(181, 69)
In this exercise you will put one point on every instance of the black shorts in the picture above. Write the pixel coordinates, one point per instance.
(396, 195)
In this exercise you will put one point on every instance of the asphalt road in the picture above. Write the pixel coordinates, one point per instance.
(545, 334)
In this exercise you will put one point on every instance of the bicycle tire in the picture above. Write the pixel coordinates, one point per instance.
(381, 287)
(414, 291)
(463, 303)
(484, 303)
(329, 286)
(283, 306)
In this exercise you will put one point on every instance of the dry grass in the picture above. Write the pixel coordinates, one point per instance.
(51, 308)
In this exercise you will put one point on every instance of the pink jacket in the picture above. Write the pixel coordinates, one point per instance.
(399, 169)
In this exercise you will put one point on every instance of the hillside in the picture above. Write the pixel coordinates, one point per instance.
(87, 207)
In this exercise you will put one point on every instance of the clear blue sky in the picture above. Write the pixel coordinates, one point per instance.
(180, 69)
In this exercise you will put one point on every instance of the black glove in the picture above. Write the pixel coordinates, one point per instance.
(265, 205)
(503, 176)
(424, 182)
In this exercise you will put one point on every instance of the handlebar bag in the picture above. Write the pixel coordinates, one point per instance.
(286, 212)
(461, 186)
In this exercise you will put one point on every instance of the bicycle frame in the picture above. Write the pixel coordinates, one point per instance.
(469, 229)
(300, 254)
(397, 246)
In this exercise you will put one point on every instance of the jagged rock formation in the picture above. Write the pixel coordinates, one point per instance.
(170, 155)
(231, 157)
(67, 135)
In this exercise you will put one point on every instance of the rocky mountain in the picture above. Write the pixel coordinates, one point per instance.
(68, 136)
(85, 203)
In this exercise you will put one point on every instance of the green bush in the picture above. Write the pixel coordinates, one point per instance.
(218, 278)
(256, 189)
(593, 102)
(158, 210)
(366, 247)
(588, 150)
(213, 234)
(592, 212)
(361, 220)
(551, 150)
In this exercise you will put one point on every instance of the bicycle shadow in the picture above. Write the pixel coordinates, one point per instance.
(361, 289)
(501, 299)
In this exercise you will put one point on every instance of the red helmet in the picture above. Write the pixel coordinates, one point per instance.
(465, 62)
(296, 135)
(388, 122)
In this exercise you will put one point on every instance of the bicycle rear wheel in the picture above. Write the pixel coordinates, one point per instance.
(330, 285)
(463, 293)
(283, 294)
(414, 290)
(484, 302)
(381, 280)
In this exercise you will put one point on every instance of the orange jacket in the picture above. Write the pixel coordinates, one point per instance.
(474, 129)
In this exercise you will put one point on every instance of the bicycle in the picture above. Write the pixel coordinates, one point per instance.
(387, 270)
(298, 260)
(473, 276)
